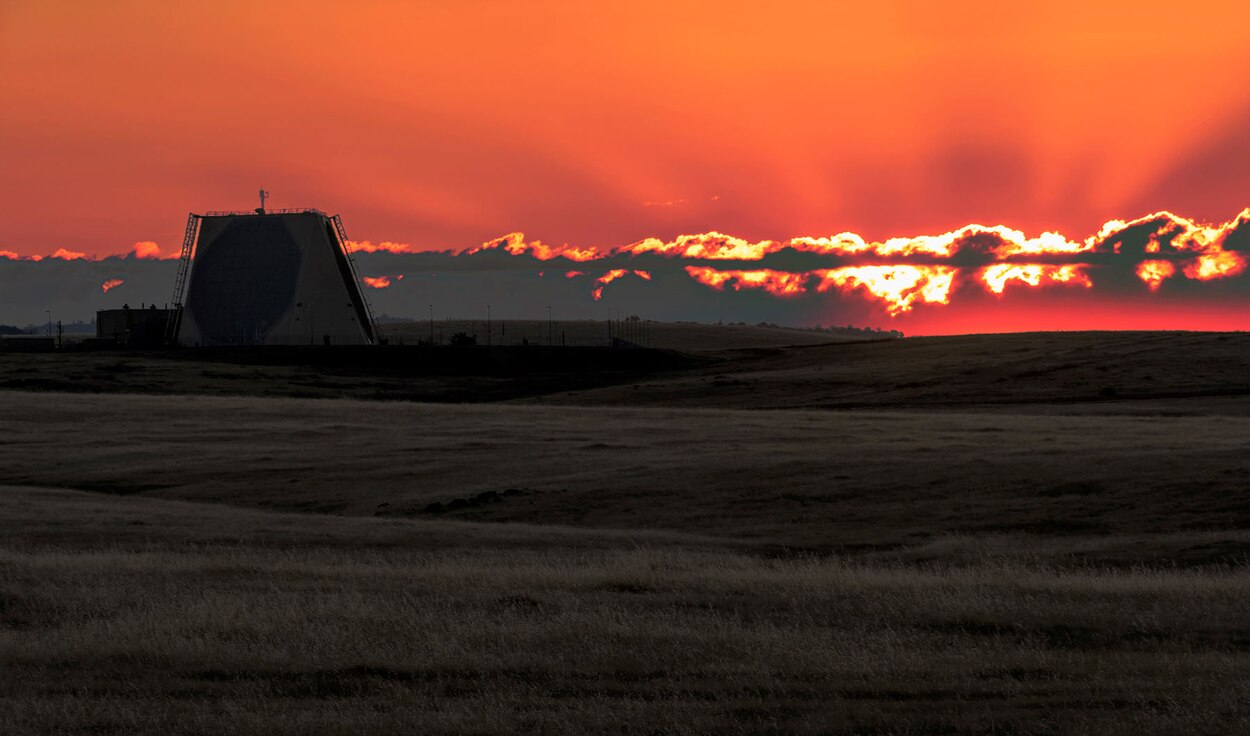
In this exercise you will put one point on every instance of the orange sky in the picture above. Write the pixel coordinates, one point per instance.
(444, 124)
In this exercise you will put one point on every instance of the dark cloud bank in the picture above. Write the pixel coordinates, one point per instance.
(523, 286)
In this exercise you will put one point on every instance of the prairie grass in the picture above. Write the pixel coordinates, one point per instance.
(192, 565)
(1151, 373)
(321, 637)
(1110, 489)
(1147, 373)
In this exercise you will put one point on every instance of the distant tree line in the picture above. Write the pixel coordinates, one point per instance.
(39, 329)
(835, 329)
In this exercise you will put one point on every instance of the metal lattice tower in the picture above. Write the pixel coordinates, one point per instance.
(184, 265)
(351, 260)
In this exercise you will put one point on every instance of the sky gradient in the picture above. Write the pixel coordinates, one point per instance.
(443, 125)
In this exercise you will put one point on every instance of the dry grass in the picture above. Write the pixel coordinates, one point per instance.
(1142, 373)
(405, 373)
(1105, 372)
(1060, 560)
(1120, 489)
(396, 373)
(322, 636)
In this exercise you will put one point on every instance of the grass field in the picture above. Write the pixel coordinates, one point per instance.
(979, 540)
(173, 618)
(814, 481)
(1103, 372)
(407, 372)
(725, 367)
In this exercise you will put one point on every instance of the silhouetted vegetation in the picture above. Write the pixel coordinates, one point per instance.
(831, 329)
(70, 328)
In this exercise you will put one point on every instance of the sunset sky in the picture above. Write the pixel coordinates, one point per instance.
(445, 124)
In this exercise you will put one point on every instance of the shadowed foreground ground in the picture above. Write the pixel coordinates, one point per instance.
(1145, 373)
(347, 625)
(1036, 534)
(1115, 489)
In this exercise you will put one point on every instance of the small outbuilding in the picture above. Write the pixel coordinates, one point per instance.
(136, 328)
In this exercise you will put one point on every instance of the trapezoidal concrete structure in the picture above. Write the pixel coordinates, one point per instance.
(269, 278)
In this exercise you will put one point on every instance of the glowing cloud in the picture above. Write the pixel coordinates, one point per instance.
(146, 250)
(365, 246)
(111, 284)
(718, 246)
(1216, 265)
(777, 283)
(613, 275)
(515, 244)
(712, 245)
(1154, 273)
(997, 276)
(381, 282)
(900, 287)
(1173, 232)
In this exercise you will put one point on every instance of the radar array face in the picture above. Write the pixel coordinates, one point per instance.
(272, 279)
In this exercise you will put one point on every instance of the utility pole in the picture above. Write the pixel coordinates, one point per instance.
(488, 325)
(551, 334)
(49, 311)
(431, 324)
